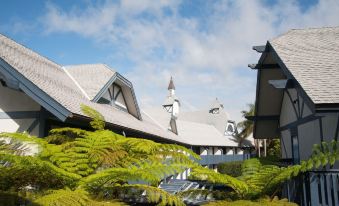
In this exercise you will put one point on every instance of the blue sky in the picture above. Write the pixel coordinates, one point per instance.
(205, 45)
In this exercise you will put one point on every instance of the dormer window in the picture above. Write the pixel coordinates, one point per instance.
(230, 128)
(114, 96)
(214, 111)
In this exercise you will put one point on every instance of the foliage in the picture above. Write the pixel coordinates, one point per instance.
(260, 202)
(98, 122)
(230, 168)
(273, 148)
(258, 180)
(246, 126)
(78, 167)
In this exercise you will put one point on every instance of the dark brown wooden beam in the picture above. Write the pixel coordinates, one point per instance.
(281, 83)
(264, 117)
(259, 49)
(263, 66)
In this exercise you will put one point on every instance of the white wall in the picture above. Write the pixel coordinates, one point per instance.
(287, 114)
(285, 144)
(203, 151)
(217, 151)
(210, 151)
(11, 101)
(308, 133)
(176, 109)
(229, 151)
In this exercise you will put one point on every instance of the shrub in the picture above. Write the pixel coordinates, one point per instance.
(273, 148)
(230, 168)
(260, 202)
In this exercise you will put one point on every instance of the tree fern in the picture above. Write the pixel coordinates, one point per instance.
(98, 121)
(67, 197)
(89, 162)
(202, 173)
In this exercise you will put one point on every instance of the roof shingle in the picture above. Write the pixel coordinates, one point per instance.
(312, 57)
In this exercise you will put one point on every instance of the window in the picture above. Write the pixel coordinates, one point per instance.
(214, 111)
(114, 96)
(230, 128)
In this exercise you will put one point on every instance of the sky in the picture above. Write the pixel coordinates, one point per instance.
(205, 45)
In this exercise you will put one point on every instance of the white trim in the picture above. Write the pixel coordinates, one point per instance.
(76, 83)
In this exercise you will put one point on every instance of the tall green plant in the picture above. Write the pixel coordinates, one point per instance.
(258, 180)
(245, 126)
(77, 167)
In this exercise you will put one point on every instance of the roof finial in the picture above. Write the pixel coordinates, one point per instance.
(171, 84)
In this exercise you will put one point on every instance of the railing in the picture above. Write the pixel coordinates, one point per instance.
(216, 159)
(314, 188)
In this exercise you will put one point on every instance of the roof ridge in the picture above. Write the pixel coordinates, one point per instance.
(311, 28)
(28, 49)
(73, 65)
(76, 83)
(302, 29)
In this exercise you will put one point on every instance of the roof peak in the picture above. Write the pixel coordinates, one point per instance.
(171, 84)
(216, 104)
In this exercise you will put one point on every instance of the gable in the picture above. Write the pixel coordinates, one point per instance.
(123, 97)
(312, 58)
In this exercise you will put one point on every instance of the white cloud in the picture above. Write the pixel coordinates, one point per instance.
(207, 55)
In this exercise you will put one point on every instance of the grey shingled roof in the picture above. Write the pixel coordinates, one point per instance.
(312, 56)
(198, 128)
(54, 81)
(91, 77)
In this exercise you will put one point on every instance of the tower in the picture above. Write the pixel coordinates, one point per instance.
(172, 106)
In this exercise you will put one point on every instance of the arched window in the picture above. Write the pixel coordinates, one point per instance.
(230, 128)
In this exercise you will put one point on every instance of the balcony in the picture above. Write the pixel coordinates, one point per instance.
(217, 159)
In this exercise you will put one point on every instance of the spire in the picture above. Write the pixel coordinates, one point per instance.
(216, 106)
(171, 84)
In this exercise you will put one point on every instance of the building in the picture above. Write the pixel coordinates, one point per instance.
(37, 94)
(297, 101)
(209, 131)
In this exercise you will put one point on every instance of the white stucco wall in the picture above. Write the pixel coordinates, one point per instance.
(308, 133)
(287, 112)
(176, 109)
(13, 101)
(285, 144)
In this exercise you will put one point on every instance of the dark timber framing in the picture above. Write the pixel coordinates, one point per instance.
(19, 115)
(266, 117)
(259, 49)
(263, 66)
(288, 74)
(127, 83)
(19, 82)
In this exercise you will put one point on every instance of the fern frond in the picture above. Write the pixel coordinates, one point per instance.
(154, 194)
(149, 173)
(98, 121)
(27, 170)
(237, 185)
(64, 197)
